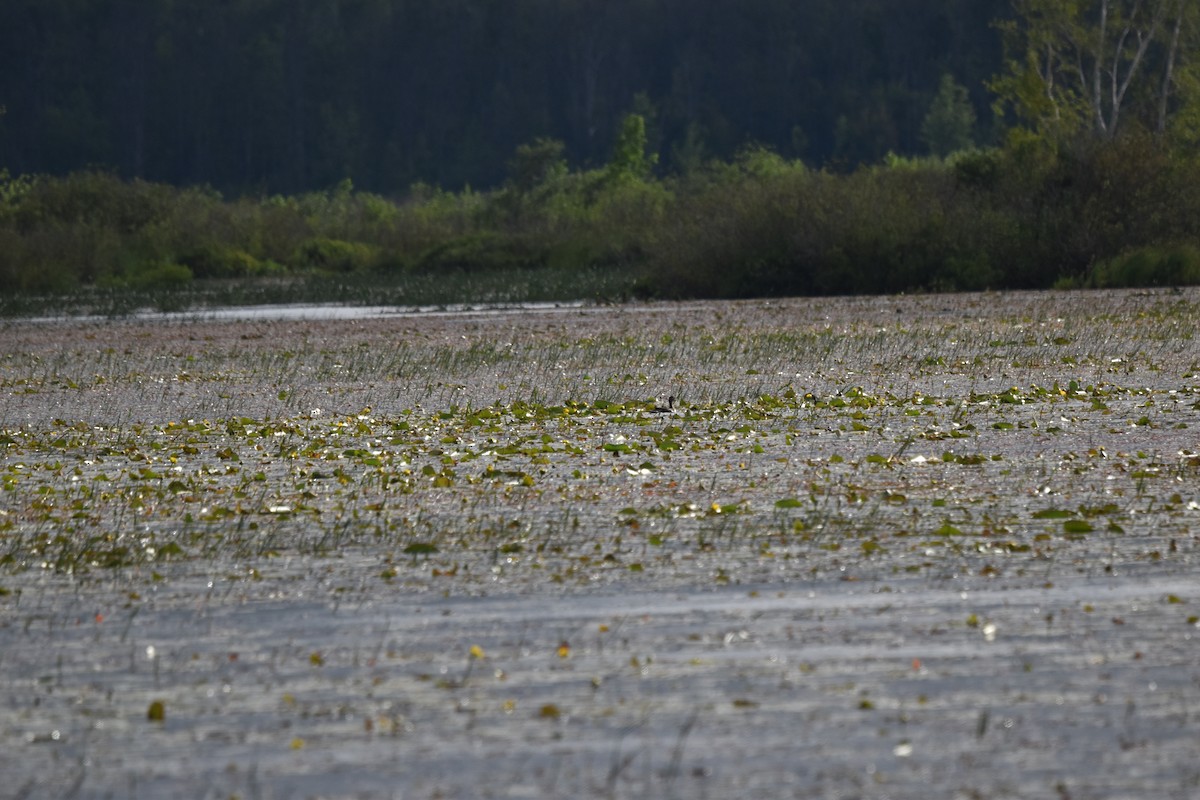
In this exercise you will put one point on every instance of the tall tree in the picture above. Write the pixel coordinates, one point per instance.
(950, 124)
(1091, 65)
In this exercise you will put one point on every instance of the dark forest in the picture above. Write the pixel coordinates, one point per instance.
(289, 95)
(409, 152)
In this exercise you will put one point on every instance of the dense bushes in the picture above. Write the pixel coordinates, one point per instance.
(1146, 266)
(877, 230)
(1023, 217)
(321, 254)
(1026, 216)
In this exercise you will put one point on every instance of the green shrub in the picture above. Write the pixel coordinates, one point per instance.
(334, 255)
(630, 208)
(12, 260)
(481, 252)
(61, 256)
(978, 169)
(215, 261)
(160, 276)
(1022, 216)
(13, 189)
(1149, 266)
(795, 232)
(96, 198)
(536, 164)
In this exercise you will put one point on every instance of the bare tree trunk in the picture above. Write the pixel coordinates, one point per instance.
(1120, 83)
(1093, 55)
(1048, 80)
(1097, 92)
(1169, 71)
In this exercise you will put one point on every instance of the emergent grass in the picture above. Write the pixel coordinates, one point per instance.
(987, 435)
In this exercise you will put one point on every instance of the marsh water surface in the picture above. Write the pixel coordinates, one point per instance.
(884, 547)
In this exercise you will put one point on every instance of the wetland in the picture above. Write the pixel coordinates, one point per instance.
(934, 545)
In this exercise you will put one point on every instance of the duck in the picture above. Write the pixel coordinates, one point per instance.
(669, 408)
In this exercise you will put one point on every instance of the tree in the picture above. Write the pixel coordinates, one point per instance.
(1178, 109)
(537, 163)
(629, 159)
(1076, 66)
(950, 124)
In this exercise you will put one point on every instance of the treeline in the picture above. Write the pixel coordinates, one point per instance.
(1105, 213)
(657, 147)
(270, 96)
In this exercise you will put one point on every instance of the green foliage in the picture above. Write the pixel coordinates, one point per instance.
(1183, 127)
(1082, 69)
(212, 260)
(334, 255)
(881, 230)
(91, 198)
(160, 276)
(536, 164)
(978, 169)
(1149, 266)
(12, 190)
(630, 161)
(1024, 216)
(949, 126)
(480, 252)
(1014, 218)
(1025, 89)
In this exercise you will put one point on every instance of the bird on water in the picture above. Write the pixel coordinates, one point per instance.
(669, 408)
